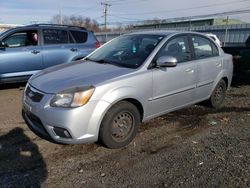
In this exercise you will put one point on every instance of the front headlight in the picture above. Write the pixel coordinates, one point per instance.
(72, 98)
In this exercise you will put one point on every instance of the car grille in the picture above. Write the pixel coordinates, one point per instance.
(33, 95)
(36, 125)
(36, 121)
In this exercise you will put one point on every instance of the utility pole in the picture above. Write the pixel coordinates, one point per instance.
(226, 31)
(105, 12)
(60, 14)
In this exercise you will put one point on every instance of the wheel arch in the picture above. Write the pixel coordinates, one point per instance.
(137, 104)
(131, 100)
(226, 81)
(224, 75)
(102, 130)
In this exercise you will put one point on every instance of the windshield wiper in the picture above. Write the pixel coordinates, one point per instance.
(104, 61)
(88, 59)
(101, 61)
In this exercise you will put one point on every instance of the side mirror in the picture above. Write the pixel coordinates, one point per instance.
(2, 45)
(166, 61)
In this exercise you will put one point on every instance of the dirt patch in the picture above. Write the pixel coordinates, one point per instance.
(196, 146)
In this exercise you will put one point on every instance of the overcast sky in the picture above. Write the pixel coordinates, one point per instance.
(27, 11)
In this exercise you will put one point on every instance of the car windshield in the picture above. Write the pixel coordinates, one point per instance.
(127, 51)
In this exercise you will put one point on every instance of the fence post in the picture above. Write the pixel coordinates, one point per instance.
(226, 32)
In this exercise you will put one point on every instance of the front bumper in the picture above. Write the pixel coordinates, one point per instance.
(64, 125)
(35, 125)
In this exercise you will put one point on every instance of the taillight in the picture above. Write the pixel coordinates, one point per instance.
(97, 44)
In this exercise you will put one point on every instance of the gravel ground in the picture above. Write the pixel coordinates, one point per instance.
(193, 147)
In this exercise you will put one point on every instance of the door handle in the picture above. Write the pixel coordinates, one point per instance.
(189, 71)
(35, 52)
(218, 65)
(73, 49)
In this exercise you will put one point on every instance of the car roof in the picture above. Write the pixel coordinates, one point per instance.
(164, 32)
(57, 26)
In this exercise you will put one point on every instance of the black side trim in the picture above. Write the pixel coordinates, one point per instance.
(173, 94)
(205, 84)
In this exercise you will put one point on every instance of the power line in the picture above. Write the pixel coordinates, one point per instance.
(184, 9)
(85, 10)
(122, 2)
(192, 17)
(124, 18)
(219, 14)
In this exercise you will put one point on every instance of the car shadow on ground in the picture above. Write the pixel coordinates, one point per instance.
(19, 85)
(194, 117)
(21, 163)
(241, 79)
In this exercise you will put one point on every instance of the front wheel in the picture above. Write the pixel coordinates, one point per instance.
(119, 125)
(218, 95)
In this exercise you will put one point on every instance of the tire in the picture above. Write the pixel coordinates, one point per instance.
(218, 95)
(119, 126)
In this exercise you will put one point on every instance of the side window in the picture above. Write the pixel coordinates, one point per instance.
(141, 47)
(177, 47)
(204, 48)
(71, 40)
(55, 36)
(215, 50)
(79, 36)
(21, 39)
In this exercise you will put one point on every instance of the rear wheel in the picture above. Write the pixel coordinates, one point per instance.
(218, 95)
(119, 125)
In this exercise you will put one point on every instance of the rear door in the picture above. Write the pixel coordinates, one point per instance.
(174, 87)
(57, 48)
(209, 64)
(21, 56)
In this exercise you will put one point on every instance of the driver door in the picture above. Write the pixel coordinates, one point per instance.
(174, 87)
(21, 57)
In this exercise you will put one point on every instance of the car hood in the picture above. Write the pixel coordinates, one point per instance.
(59, 78)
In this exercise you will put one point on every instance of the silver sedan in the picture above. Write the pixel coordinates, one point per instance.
(129, 80)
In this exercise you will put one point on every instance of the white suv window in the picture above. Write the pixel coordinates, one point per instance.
(79, 36)
(21, 39)
(55, 36)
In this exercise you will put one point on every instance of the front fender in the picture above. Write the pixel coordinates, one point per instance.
(109, 99)
(122, 93)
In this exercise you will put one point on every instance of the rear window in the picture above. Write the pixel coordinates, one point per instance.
(55, 36)
(202, 47)
(79, 36)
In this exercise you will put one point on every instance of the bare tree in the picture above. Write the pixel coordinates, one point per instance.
(152, 21)
(73, 20)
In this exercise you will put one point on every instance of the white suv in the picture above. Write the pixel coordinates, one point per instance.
(215, 38)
